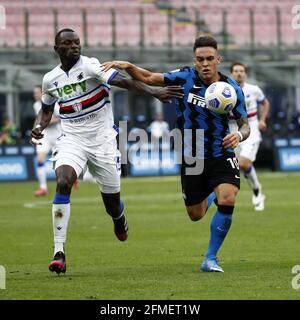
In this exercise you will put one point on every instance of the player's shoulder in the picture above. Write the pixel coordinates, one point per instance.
(89, 60)
(183, 72)
(251, 87)
(230, 80)
(49, 76)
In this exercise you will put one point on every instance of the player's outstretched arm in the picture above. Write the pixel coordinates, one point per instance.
(146, 76)
(164, 94)
(41, 122)
(265, 107)
(233, 139)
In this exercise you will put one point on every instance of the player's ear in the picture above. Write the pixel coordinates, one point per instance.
(219, 59)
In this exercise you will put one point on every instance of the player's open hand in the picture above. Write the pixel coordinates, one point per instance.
(122, 65)
(165, 94)
(231, 140)
(262, 125)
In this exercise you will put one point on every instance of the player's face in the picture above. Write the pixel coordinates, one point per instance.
(206, 61)
(239, 74)
(69, 46)
(37, 94)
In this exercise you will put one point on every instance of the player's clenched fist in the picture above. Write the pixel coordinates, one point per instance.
(36, 135)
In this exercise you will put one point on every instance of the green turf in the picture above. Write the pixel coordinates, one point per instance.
(161, 258)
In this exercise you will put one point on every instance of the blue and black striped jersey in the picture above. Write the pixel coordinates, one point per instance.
(192, 112)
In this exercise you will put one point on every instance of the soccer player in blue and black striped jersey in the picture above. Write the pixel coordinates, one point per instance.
(220, 178)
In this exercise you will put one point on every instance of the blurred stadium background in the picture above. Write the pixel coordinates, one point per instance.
(158, 35)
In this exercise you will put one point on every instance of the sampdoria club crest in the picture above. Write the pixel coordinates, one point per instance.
(77, 107)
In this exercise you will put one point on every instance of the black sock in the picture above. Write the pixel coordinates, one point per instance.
(256, 191)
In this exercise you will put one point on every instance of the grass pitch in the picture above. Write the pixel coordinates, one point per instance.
(162, 256)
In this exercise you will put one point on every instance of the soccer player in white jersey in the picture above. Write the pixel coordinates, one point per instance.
(81, 88)
(247, 150)
(51, 133)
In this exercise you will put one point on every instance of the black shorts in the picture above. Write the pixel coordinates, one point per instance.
(195, 188)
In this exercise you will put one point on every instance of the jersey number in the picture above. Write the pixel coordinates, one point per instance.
(234, 163)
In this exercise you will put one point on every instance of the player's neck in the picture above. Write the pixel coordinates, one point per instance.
(215, 78)
(67, 65)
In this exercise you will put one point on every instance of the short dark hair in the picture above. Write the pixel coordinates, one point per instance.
(205, 41)
(60, 32)
(237, 64)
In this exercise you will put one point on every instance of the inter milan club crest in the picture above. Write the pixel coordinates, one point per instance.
(77, 107)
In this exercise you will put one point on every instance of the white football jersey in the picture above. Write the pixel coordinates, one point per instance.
(83, 97)
(52, 129)
(253, 96)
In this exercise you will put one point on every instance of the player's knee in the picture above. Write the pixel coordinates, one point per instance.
(195, 214)
(64, 185)
(244, 166)
(227, 199)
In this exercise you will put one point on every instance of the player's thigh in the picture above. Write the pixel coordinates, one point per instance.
(249, 149)
(104, 164)
(224, 178)
(68, 152)
(195, 192)
(194, 187)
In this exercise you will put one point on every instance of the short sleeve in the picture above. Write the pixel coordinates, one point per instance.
(36, 107)
(260, 97)
(56, 110)
(95, 70)
(239, 111)
(175, 77)
(47, 98)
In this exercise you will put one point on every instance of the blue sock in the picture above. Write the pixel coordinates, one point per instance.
(219, 227)
(61, 198)
(122, 206)
(210, 199)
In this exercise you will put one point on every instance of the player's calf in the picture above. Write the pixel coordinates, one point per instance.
(115, 208)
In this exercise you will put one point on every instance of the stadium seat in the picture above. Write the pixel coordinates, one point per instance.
(155, 21)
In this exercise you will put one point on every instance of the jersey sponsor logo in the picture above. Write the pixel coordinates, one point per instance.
(81, 119)
(68, 89)
(196, 100)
